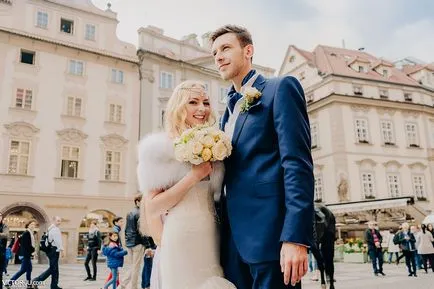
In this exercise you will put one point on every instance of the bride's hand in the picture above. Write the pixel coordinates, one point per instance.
(201, 171)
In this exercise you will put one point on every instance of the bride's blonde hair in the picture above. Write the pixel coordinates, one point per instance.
(176, 113)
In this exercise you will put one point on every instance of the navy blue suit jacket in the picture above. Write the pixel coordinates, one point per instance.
(269, 176)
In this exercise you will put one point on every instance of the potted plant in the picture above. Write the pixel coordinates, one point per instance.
(355, 251)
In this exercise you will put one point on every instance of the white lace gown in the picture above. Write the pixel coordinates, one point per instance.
(189, 252)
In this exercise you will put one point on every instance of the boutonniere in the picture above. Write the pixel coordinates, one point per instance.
(251, 94)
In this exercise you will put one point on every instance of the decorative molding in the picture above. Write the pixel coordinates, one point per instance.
(367, 161)
(148, 74)
(21, 128)
(408, 113)
(388, 111)
(391, 163)
(114, 140)
(71, 135)
(362, 108)
(417, 164)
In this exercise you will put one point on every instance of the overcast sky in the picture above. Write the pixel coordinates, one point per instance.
(392, 29)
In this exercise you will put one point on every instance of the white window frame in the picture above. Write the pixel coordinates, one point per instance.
(71, 106)
(117, 76)
(112, 168)
(418, 184)
(42, 19)
(223, 94)
(70, 159)
(393, 185)
(74, 67)
(361, 129)
(387, 132)
(116, 113)
(319, 188)
(20, 156)
(164, 80)
(412, 135)
(90, 32)
(26, 96)
(367, 179)
(314, 132)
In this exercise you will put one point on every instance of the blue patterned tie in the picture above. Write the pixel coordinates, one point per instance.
(233, 98)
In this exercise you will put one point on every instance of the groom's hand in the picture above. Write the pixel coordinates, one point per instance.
(293, 262)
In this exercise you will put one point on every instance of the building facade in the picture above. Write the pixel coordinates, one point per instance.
(372, 128)
(69, 99)
(166, 62)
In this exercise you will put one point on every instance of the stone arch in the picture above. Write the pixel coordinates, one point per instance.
(104, 219)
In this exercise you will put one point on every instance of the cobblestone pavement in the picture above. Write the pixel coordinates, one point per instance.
(348, 276)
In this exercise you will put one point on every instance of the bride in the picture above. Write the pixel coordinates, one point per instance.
(184, 194)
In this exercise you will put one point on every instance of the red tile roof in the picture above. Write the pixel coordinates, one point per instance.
(336, 61)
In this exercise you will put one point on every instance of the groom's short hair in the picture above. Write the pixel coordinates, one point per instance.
(243, 35)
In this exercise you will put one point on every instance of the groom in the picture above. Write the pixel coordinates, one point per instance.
(267, 204)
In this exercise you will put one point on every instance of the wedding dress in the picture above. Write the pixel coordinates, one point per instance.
(189, 256)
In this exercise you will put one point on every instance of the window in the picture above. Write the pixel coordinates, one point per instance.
(76, 67)
(70, 162)
(358, 90)
(112, 165)
(66, 26)
(23, 98)
(385, 73)
(412, 135)
(27, 57)
(314, 135)
(384, 93)
(319, 189)
(292, 58)
(166, 80)
(223, 94)
(368, 187)
(90, 32)
(419, 187)
(115, 113)
(362, 131)
(361, 68)
(408, 97)
(19, 152)
(73, 107)
(117, 76)
(387, 132)
(42, 19)
(393, 185)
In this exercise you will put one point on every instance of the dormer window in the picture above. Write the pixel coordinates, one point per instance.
(384, 94)
(361, 69)
(385, 73)
(358, 90)
(292, 58)
(408, 96)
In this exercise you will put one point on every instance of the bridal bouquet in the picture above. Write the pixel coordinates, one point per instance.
(201, 144)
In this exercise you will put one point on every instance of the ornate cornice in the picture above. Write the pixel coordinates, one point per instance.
(71, 134)
(21, 128)
(114, 140)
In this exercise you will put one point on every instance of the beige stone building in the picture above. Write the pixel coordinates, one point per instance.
(372, 128)
(166, 62)
(69, 99)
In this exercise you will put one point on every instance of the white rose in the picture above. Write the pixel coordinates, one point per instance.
(197, 148)
(208, 141)
(219, 151)
(206, 154)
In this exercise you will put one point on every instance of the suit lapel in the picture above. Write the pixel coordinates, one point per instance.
(239, 124)
(224, 119)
